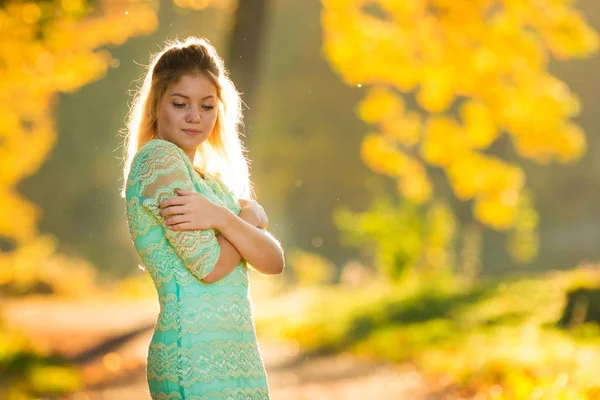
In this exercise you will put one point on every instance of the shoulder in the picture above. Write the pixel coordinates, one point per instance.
(157, 158)
(158, 162)
(158, 151)
(159, 147)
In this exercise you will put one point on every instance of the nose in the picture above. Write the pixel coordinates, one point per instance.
(194, 115)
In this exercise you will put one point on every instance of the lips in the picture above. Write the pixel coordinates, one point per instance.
(192, 132)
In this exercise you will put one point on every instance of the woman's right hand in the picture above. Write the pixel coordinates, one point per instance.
(191, 211)
(253, 213)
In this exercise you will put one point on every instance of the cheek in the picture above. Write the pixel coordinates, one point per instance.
(169, 118)
(211, 119)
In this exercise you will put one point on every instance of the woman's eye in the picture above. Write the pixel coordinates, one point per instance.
(179, 105)
(208, 107)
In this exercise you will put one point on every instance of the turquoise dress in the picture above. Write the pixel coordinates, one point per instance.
(204, 343)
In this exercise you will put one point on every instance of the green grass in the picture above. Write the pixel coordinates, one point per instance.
(501, 339)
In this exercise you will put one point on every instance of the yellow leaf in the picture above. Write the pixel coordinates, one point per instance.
(380, 104)
(382, 157)
(406, 129)
(479, 124)
(415, 185)
(437, 89)
(494, 212)
(443, 141)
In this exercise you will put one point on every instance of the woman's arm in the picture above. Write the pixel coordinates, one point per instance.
(164, 170)
(229, 256)
(192, 211)
(228, 259)
(255, 245)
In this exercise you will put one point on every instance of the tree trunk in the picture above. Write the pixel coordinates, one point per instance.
(245, 49)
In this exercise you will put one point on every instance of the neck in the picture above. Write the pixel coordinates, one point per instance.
(191, 155)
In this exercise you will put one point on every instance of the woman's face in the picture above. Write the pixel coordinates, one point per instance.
(187, 112)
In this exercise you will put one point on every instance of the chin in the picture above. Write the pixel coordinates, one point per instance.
(194, 141)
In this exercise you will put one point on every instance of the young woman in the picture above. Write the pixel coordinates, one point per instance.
(195, 227)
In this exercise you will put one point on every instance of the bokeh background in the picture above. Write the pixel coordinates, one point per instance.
(429, 166)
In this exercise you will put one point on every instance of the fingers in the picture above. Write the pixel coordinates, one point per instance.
(173, 210)
(247, 202)
(264, 223)
(182, 226)
(184, 192)
(173, 201)
(176, 220)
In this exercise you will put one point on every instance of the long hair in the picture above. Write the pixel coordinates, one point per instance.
(222, 154)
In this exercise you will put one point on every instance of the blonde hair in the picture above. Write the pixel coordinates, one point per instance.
(222, 154)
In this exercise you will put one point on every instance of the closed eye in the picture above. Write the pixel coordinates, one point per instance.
(181, 105)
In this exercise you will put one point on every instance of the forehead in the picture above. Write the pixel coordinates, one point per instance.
(193, 86)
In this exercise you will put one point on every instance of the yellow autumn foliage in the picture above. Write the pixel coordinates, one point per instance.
(380, 104)
(478, 71)
(414, 183)
(382, 157)
(45, 49)
(494, 211)
(225, 5)
(387, 109)
(443, 141)
(479, 125)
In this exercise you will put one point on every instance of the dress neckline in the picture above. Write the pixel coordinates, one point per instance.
(205, 178)
(199, 174)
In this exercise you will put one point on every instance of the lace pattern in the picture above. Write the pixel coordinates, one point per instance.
(204, 343)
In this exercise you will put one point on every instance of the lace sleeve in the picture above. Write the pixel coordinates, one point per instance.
(165, 170)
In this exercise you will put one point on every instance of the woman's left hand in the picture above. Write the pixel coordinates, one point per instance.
(188, 211)
(253, 213)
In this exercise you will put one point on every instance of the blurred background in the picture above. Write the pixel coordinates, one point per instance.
(429, 166)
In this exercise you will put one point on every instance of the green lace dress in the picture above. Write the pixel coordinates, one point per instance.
(204, 344)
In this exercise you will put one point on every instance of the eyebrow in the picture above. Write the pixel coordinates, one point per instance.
(187, 97)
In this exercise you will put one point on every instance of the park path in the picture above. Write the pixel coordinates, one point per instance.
(108, 341)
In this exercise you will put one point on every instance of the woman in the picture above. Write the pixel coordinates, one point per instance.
(194, 228)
